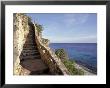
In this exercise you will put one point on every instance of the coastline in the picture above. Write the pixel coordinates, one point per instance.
(86, 70)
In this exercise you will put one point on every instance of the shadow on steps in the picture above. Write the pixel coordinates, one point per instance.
(30, 57)
(44, 72)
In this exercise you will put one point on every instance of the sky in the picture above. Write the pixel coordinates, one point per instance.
(67, 27)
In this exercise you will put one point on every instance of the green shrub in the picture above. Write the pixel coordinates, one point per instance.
(39, 28)
(71, 68)
(61, 53)
(45, 41)
(69, 64)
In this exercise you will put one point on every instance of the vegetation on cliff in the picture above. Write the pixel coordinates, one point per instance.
(39, 28)
(61, 54)
(33, 58)
(45, 41)
(70, 65)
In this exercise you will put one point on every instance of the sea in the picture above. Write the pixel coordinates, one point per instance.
(84, 54)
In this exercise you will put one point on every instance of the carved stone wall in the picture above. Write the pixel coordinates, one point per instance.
(21, 30)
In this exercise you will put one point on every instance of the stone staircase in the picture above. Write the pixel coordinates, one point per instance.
(30, 57)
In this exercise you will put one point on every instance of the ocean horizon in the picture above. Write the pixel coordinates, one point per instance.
(84, 54)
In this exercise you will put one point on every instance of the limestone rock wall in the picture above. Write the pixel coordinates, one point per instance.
(21, 30)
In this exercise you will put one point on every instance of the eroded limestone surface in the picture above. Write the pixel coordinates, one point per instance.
(31, 57)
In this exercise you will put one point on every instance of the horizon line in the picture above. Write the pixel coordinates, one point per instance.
(71, 42)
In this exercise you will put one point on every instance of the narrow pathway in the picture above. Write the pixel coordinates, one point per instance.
(30, 58)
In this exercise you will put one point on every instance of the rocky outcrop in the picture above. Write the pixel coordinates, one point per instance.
(21, 30)
(27, 58)
(32, 56)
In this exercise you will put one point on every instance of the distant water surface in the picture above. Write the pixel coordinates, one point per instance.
(83, 53)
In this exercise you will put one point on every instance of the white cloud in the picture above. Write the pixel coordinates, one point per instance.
(90, 38)
(75, 19)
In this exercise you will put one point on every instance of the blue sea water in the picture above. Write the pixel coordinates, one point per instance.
(83, 53)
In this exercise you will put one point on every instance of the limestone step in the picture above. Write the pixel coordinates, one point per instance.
(33, 65)
(31, 40)
(30, 54)
(30, 34)
(30, 51)
(33, 44)
(30, 43)
(29, 46)
(30, 37)
(29, 57)
(41, 72)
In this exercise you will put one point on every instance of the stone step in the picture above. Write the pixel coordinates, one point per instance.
(31, 34)
(30, 51)
(30, 47)
(33, 65)
(30, 54)
(30, 41)
(41, 72)
(30, 57)
(33, 44)
(30, 37)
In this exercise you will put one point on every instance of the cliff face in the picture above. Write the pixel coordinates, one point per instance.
(27, 59)
(21, 30)
(31, 52)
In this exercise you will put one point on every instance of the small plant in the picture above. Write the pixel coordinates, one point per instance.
(71, 68)
(45, 41)
(39, 28)
(69, 64)
(29, 19)
(61, 53)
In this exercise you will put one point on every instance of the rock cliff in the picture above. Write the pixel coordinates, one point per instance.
(32, 56)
